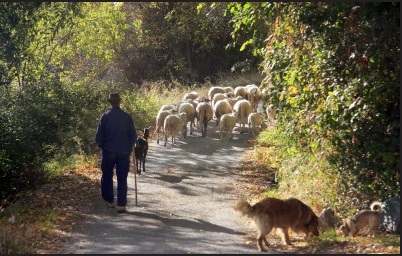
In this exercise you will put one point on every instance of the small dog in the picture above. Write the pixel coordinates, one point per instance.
(327, 219)
(272, 213)
(364, 222)
(141, 150)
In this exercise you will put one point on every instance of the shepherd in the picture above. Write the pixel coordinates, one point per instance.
(116, 136)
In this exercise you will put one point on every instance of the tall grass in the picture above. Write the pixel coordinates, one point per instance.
(300, 173)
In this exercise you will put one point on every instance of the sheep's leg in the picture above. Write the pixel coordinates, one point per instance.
(191, 127)
(166, 138)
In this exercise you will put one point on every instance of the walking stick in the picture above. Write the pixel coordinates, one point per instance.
(135, 182)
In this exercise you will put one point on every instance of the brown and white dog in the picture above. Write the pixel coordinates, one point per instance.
(365, 222)
(286, 214)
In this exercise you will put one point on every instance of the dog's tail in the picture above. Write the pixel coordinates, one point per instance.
(376, 206)
(244, 208)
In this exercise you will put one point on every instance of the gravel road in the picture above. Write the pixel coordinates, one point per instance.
(185, 204)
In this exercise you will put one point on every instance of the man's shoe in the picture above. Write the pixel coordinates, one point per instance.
(121, 209)
(110, 205)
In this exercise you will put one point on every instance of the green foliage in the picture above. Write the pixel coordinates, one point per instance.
(300, 173)
(336, 95)
(183, 41)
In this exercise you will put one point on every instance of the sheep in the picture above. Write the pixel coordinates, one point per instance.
(168, 107)
(254, 120)
(226, 125)
(222, 107)
(189, 110)
(173, 125)
(239, 98)
(191, 95)
(214, 90)
(253, 95)
(242, 109)
(160, 119)
(217, 97)
(240, 91)
(228, 89)
(194, 103)
(229, 94)
(204, 114)
(231, 101)
(202, 99)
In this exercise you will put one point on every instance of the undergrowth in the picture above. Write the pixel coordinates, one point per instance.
(300, 173)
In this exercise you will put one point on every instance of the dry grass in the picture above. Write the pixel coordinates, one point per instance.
(44, 217)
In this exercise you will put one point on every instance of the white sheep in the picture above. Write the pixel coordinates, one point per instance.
(240, 91)
(204, 114)
(168, 107)
(195, 104)
(222, 107)
(255, 120)
(232, 101)
(217, 97)
(189, 110)
(226, 125)
(228, 89)
(253, 95)
(173, 125)
(191, 95)
(214, 90)
(160, 119)
(229, 94)
(242, 109)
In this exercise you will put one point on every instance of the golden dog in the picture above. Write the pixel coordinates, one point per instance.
(272, 213)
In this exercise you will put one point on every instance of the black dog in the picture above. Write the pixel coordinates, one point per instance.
(141, 150)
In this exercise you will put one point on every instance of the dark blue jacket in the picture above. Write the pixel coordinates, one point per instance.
(116, 131)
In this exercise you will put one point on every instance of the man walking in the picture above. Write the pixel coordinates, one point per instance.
(116, 136)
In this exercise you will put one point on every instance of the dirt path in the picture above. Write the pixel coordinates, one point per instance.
(185, 204)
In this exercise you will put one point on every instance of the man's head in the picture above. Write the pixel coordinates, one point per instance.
(114, 99)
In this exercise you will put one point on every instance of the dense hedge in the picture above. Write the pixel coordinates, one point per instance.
(332, 74)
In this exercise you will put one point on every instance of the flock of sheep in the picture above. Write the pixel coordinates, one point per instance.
(225, 104)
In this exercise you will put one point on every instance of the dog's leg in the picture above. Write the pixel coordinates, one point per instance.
(143, 164)
(285, 236)
(260, 238)
(266, 242)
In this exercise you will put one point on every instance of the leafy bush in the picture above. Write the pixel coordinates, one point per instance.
(299, 173)
(331, 74)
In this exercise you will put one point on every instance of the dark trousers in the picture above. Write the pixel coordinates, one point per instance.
(122, 162)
